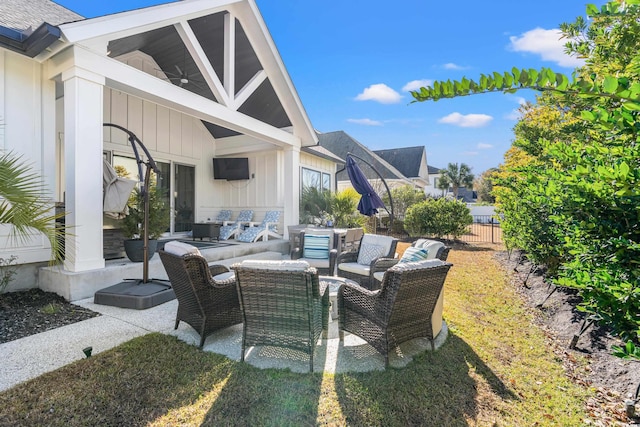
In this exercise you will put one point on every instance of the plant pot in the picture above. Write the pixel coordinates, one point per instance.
(134, 248)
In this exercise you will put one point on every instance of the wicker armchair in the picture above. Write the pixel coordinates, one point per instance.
(317, 247)
(283, 305)
(403, 309)
(356, 266)
(204, 303)
(437, 250)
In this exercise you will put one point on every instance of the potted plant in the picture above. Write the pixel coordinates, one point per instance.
(132, 224)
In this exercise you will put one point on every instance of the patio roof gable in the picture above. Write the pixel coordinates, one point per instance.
(220, 50)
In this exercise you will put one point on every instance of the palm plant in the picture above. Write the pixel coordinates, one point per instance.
(25, 205)
(455, 176)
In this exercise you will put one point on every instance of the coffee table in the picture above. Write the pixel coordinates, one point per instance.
(334, 283)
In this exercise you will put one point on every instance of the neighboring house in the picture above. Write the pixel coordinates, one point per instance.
(410, 162)
(192, 79)
(432, 188)
(340, 143)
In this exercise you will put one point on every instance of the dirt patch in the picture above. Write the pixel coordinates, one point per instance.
(30, 312)
(613, 378)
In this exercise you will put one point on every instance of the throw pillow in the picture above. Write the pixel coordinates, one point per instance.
(412, 254)
(316, 247)
(370, 252)
(180, 248)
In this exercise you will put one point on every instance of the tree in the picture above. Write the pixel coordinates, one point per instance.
(586, 177)
(455, 176)
(26, 206)
(483, 185)
(403, 198)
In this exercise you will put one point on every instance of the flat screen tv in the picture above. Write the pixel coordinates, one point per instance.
(231, 168)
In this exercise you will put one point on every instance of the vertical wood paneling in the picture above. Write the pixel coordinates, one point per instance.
(134, 116)
(106, 113)
(149, 125)
(163, 133)
(187, 136)
(119, 116)
(175, 132)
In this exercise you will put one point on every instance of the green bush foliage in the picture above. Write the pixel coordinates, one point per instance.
(438, 218)
(572, 198)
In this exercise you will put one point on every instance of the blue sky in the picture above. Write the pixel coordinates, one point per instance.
(353, 61)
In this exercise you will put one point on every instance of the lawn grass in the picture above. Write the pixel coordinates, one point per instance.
(495, 368)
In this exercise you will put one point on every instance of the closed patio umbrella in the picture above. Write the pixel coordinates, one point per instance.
(370, 201)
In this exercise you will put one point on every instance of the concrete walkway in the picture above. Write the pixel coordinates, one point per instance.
(35, 355)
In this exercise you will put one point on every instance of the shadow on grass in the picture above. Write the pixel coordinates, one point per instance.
(436, 389)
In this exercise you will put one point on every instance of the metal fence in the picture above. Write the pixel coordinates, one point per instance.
(485, 229)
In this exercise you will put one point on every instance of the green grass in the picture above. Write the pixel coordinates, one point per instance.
(495, 368)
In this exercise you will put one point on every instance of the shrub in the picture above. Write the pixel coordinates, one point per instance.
(438, 218)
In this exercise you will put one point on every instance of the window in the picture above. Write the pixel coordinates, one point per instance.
(315, 179)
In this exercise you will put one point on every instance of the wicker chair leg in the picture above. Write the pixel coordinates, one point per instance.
(433, 344)
(242, 353)
(177, 322)
(202, 338)
(311, 361)
(341, 335)
(386, 360)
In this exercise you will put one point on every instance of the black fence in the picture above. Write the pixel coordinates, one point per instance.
(484, 229)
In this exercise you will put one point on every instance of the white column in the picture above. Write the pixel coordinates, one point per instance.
(83, 93)
(291, 186)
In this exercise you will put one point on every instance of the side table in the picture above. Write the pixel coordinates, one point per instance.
(334, 283)
(206, 229)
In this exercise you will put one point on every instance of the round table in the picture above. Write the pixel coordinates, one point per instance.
(334, 283)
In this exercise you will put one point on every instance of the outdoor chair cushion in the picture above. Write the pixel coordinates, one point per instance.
(180, 248)
(275, 265)
(414, 254)
(316, 247)
(430, 245)
(269, 225)
(369, 252)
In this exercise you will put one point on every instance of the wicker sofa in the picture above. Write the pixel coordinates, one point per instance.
(403, 309)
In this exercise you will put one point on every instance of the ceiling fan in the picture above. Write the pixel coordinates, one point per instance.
(182, 78)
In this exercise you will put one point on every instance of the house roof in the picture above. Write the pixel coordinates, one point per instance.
(29, 26)
(406, 159)
(187, 35)
(320, 151)
(340, 143)
(25, 16)
(433, 170)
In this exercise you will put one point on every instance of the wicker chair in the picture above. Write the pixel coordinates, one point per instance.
(204, 303)
(322, 257)
(436, 249)
(283, 305)
(357, 267)
(403, 309)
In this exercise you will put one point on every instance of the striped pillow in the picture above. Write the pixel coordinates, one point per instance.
(412, 254)
(315, 247)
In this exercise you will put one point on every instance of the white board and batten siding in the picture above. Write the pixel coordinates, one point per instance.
(27, 129)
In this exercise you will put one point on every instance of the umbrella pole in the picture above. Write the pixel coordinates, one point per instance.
(145, 227)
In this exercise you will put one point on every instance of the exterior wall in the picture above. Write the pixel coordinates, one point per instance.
(317, 163)
(173, 137)
(431, 190)
(27, 103)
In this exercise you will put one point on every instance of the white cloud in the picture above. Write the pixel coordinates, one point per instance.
(380, 93)
(547, 44)
(513, 115)
(452, 66)
(483, 146)
(366, 122)
(520, 100)
(417, 84)
(466, 120)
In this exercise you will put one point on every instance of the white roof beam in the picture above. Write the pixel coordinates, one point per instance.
(202, 62)
(230, 54)
(251, 86)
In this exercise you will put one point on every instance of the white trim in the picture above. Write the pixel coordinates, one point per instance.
(197, 53)
(251, 86)
(229, 54)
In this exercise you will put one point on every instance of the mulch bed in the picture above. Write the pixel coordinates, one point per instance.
(25, 313)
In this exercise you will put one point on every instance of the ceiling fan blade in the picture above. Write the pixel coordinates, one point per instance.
(180, 73)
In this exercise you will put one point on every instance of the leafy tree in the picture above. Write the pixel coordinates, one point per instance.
(403, 198)
(483, 185)
(26, 206)
(455, 176)
(583, 174)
